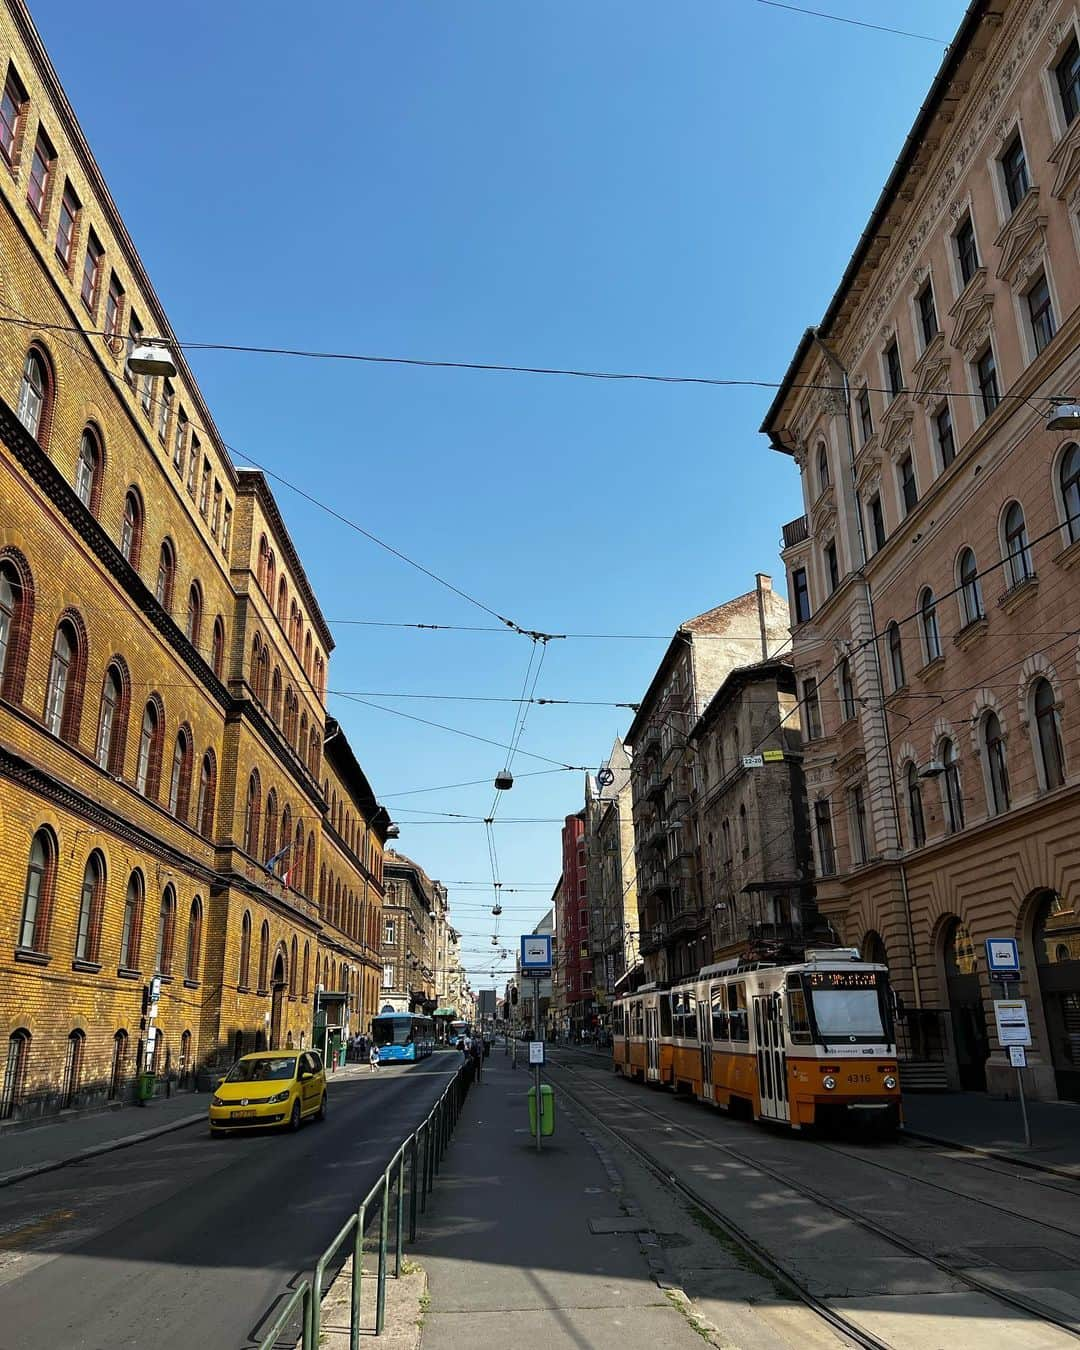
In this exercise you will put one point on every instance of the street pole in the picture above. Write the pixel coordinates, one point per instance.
(1019, 1084)
(537, 1037)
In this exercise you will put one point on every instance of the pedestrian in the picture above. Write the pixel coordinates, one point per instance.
(373, 1057)
(477, 1051)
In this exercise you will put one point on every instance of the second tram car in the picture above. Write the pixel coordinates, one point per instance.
(801, 1044)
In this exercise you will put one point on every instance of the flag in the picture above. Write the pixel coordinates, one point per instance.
(271, 863)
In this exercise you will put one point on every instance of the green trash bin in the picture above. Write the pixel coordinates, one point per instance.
(146, 1086)
(547, 1110)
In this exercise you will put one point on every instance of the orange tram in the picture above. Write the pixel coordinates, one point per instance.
(802, 1044)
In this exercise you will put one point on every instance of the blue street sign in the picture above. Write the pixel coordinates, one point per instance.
(1002, 957)
(535, 952)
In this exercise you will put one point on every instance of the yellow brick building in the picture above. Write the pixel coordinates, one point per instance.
(163, 666)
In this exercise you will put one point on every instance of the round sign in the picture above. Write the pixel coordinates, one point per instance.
(605, 778)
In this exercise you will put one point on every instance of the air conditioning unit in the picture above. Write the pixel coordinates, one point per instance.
(933, 769)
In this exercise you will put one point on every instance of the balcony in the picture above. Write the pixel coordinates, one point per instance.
(655, 785)
(652, 939)
(650, 741)
(686, 921)
(796, 532)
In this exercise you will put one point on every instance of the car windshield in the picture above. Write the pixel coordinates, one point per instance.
(262, 1070)
(843, 1013)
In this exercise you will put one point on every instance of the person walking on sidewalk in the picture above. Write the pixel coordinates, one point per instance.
(476, 1052)
(373, 1057)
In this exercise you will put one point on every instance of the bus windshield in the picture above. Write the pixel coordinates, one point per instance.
(392, 1030)
(848, 1005)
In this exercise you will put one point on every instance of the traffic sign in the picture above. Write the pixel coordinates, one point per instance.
(1018, 1056)
(1011, 1017)
(536, 1052)
(535, 953)
(1002, 957)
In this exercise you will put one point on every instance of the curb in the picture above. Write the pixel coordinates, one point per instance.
(998, 1154)
(109, 1146)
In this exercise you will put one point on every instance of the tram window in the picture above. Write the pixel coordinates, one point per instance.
(617, 1019)
(684, 1015)
(638, 1022)
(718, 998)
(740, 1027)
(798, 1016)
(665, 1014)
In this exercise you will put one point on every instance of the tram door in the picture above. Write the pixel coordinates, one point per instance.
(771, 1061)
(704, 1022)
(652, 1043)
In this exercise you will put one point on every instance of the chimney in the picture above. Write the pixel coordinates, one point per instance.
(764, 583)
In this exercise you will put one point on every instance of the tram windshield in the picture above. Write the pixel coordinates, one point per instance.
(849, 1005)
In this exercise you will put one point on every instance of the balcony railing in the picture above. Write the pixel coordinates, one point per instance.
(796, 532)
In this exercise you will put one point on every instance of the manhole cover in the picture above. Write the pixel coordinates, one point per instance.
(1023, 1258)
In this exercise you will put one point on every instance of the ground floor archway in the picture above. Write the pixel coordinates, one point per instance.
(971, 1044)
(1055, 941)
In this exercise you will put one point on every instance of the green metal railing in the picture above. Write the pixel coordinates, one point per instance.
(410, 1174)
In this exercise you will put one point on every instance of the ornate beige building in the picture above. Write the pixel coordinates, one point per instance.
(933, 577)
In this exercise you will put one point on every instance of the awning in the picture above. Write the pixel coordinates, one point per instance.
(445, 1012)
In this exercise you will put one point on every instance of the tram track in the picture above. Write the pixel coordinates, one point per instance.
(836, 1318)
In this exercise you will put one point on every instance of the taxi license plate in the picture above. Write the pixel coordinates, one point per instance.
(243, 1115)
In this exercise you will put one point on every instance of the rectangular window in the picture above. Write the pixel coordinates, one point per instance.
(908, 490)
(866, 420)
(857, 812)
(41, 167)
(388, 977)
(1041, 313)
(1067, 71)
(204, 488)
(832, 565)
(390, 935)
(893, 369)
(180, 441)
(133, 339)
(114, 305)
(944, 432)
(877, 523)
(986, 371)
(967, 255)
(1014, 172)
(928, 314)
(226, 529)
(13, 103)
(70, 207)
(811, 710)
(215, 514)
(800, 592)
(193, 465)
(91, 272)
(164, 409)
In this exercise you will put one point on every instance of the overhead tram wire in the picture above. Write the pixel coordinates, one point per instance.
(855, 23)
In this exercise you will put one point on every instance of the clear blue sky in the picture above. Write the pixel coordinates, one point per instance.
(671, 187)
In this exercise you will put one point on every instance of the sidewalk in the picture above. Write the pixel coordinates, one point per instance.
(523, 1248)
(990, 1125)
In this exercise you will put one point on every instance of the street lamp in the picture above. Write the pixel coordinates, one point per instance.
(1065, 417)
(151, 358)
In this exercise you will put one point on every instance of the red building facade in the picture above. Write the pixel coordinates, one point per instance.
(575, 969)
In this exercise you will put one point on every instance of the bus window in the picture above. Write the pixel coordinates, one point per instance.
(798, 1018)
(737, 1019)
(719, 1013)
(665, 1014)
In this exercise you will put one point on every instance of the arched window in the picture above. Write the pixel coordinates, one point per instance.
(1018, 560)
(73, 1068)
(915, 808)
(313, 751)
(217, 647)
(131, 530)
(256, 664)
(954, 796)
(88, 471)
(270, 827)
(1069, 478)
(290, 715)
(309, 866)
(15, 611)
(251, 832)
(264, 958)
(166, 932)
(305, 987)
(244, 972)
(292, 967)
(193, 621)
(1048, 735)
(967, 572)
(148, 765)
(264, 556)
(14, 1084)
(131, 935)
(36, 396)
(119, 1065)
(307, 654)
(166, 575)
(271, 575)
(275, 696)
(928, 620)
(896, 655)
(320, 675)
(296, 862)
(180, 777)
(204, 808)
(194, 939)
(847, 690)
(301, 742)
(294, 623)
(822, 466)
(185, 1066)
(91, 900)
(997, 765)
(262, 689)
(282, 601)
(286, 838)
(109, 751)
(63, 695)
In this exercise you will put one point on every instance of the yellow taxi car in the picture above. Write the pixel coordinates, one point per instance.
(270, 1088)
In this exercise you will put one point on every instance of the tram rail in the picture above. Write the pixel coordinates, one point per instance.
(836, 1318)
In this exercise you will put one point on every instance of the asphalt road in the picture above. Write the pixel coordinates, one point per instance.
(187, 1241)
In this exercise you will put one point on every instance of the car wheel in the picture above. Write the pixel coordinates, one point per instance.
(321, 1114)
(294, 1118)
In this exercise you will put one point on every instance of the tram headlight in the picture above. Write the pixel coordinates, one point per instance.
(828, 1082)
(889, 1081)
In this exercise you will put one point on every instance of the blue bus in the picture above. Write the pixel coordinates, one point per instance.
(459, 1031)
(402, 1036)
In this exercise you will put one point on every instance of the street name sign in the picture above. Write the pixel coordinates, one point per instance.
(1011, 1017)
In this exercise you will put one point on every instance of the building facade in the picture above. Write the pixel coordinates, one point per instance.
(573, 950)
(933, 572)
(612, 882)
(162, 670)
(674, 928)
(409, 936)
